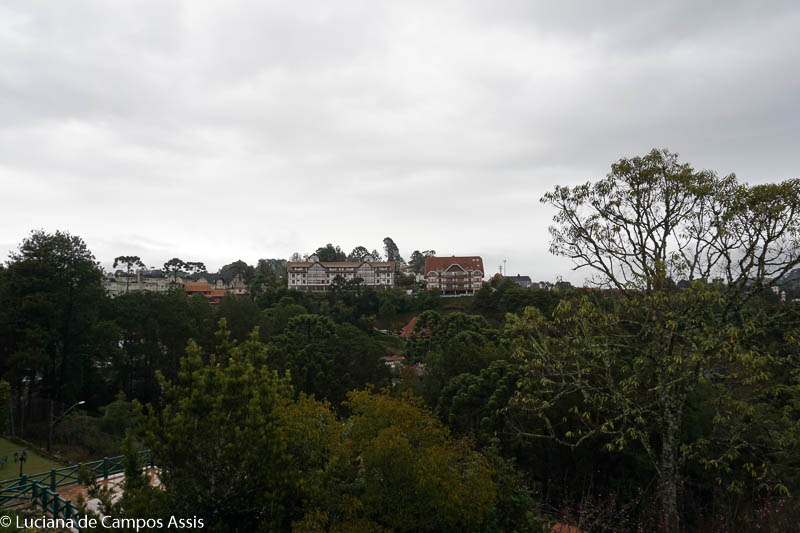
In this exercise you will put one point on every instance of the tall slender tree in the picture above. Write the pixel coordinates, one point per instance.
(392, 252)
(130, 262)
(173, 268)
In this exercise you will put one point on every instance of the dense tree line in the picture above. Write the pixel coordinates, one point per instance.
(667, 397)
(63, 340)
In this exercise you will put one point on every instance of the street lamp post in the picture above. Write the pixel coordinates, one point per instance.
(21, 458)
(54, 421)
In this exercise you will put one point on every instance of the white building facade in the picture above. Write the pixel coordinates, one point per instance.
(313, 275)
(141, 281)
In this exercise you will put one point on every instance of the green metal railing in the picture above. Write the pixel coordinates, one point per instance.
(41, 488)
(50, 502)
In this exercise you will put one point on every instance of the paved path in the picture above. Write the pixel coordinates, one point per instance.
(115, 483)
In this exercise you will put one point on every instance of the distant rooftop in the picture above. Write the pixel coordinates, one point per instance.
(470, 262)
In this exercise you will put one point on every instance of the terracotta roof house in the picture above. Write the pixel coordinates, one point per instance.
(214, 296)
(454, 275)
(233, 283)
(394, 362)
(408, 330)
(196, 287)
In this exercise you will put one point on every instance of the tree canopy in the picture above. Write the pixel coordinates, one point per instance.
(627, 370)
(392, 252)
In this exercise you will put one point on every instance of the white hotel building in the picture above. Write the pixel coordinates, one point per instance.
(313, 275)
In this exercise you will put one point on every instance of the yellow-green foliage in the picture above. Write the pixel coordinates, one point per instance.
(414, 476)
(240, 450)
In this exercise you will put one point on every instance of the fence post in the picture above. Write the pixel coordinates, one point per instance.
(34, 492)
(105, 468)
(53, 479)
(55, 505)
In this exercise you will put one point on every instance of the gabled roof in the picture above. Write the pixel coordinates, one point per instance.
(341, 264)
(519, 278)
(408, 329)
(196, 286)
(469, 262)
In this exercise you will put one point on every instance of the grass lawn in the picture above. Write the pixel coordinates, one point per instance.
(33, 465)
(12, 514)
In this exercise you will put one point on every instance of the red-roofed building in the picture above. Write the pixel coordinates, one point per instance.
(196, 287)
(200, 287)
(454, 275)
(395, 363)
(408, 329)
(216, 295)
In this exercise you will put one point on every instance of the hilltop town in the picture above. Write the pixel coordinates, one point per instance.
(360, 391)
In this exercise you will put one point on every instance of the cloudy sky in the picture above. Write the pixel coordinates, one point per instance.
(226, 130)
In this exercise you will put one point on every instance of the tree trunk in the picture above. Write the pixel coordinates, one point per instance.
(50, 425)
(669, 468)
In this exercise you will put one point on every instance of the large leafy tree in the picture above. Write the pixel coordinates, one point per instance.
(626, 369)
(330, 252)
(397, 468)
(240, 268)
(276, 267)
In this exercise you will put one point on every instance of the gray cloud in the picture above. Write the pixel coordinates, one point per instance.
(217, 131)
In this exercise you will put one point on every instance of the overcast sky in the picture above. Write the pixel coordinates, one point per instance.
(239, 130)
